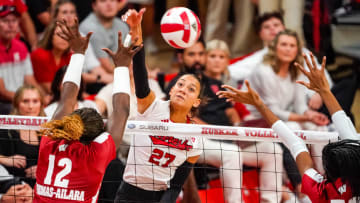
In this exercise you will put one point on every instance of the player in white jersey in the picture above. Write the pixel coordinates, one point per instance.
(341, 159)
(157, 166)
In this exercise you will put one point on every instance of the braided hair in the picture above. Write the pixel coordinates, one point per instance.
(83, 124)
(342, 160)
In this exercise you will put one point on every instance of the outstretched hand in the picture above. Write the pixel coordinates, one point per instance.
(318, 81)
(134, 19)
(248, 97)
(72, 35)
(123, 55)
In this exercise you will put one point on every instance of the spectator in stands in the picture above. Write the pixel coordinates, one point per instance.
(12, 190)
(39, 11)
(216, 111)
(268, 26)
(26, 24)
(105, 27)
(94, 75)
(293, 12)
(52, 54)
(275, 80)
(192, 60)
(56, 86)
(15, 64)
(19, 148)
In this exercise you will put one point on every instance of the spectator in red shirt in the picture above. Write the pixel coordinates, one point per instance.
(15, 65)
(52, 54)
(26, 24)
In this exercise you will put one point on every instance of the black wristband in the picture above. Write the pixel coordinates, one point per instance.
(142, 88)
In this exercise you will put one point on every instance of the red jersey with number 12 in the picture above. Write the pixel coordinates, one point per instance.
(71, 171)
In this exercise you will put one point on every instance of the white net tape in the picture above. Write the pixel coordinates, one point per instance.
(183, 130)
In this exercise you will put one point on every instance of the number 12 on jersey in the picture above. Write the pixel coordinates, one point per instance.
(158, 154)
(60, 181)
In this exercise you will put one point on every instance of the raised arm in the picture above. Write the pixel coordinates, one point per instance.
(72, 77)
(145, 97)
(294, 143)
(319, 83)
(121, 89)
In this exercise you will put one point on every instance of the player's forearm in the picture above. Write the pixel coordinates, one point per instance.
(142, 88)
(330, 101)
(121, 103)
(71, 84)
(268, 115)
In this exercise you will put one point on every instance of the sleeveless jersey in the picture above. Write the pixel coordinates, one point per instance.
(152, 159)
(72, 171)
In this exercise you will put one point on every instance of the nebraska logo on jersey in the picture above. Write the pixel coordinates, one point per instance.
(171, 142)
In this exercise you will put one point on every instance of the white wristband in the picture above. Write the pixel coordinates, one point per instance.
(121, 80)
(74, 69)
(293, 142)
(344, 126)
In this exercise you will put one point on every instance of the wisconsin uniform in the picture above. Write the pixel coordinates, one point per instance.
(72, 171)
(322, 191)
(152, 159)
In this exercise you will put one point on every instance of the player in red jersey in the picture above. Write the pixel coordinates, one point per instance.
(341, 159)
(75, 149)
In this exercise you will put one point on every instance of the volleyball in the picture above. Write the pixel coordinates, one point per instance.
(180, 27)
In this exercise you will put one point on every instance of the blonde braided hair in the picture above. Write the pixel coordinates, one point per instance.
(69, 128)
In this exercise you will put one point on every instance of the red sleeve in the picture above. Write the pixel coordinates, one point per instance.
(102, 150)
(319, 190)
(20, 6)
(39, 59)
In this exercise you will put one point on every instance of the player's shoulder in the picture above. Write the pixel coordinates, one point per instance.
(103, 137)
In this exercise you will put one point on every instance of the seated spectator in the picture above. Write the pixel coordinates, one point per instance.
(268, 26)
(56, 86)
(94, 75)
(15, 64)
(275, 81)
(26, 24)
(19, 148)
(12, 189)
(52, 54)
(216, 111)
(105, 27)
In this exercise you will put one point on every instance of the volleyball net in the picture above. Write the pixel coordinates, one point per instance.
(236, 162)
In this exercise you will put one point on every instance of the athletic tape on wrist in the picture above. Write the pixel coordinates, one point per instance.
(121, 80)
(127, 40)
(74, 69)
(293, 142)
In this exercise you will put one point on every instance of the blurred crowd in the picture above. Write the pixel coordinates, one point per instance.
(254, 40)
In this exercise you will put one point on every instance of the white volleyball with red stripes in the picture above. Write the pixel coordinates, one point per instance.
(180, 27)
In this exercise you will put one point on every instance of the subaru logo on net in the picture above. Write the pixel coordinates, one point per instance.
(131, 126)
